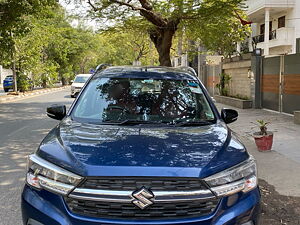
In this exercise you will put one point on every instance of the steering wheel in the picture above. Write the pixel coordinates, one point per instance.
(116, 107)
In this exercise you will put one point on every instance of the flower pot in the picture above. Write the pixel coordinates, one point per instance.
(263, 142)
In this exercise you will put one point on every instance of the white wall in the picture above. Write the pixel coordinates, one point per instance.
(4, 73)
(294, 21)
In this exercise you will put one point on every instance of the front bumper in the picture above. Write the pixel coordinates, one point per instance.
(45, 208)
(75, 91)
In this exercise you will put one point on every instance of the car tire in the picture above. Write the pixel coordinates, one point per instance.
(6, 89)
(72, 96)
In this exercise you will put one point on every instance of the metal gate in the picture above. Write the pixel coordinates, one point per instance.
(291, 83)
(281, 83)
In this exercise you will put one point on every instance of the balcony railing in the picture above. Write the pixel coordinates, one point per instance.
(261, 38)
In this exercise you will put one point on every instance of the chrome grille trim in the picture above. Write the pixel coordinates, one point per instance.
(126, 196)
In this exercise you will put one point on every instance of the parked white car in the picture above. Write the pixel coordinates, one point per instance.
(78, 83)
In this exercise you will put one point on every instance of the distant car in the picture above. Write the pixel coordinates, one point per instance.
(8, 83)
(78, 83)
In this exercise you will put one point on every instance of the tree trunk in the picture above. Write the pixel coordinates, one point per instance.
(15, 88)
(162, 39)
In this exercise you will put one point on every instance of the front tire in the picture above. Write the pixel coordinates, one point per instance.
(6, 89)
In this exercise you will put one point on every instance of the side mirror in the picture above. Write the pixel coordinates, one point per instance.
(57, 112)
(229, 115)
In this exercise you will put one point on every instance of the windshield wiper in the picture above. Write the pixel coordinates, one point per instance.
(194, 123)
(131, 122)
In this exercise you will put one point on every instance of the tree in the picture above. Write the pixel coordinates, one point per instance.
(14, 25)
(164, 17)
(221, 36)
(124, 45)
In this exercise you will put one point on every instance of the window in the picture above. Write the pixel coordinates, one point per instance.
(80, 79)
(262, 27)
(281, 22)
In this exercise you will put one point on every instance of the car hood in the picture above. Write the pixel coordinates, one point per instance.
(110, 150)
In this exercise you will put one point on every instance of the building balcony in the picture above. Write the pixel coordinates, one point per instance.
(256, 8)
(281, 37)
(261, 38)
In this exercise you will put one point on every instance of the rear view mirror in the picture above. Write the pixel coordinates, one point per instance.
(229, 115)
(57, 112)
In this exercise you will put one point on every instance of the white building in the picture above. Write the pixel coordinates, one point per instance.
(280, 21)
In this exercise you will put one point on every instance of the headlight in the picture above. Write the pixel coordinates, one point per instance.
(43, 174)
(242, 177)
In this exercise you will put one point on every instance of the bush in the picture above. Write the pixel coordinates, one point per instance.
(24, 83)
(223, 85)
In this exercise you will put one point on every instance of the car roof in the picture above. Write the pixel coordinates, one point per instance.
(83, 75)
(154, 72)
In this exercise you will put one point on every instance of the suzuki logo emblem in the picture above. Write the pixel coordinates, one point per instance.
(142, 198)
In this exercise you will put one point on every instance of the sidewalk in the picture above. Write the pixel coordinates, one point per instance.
(8, 98)
(280, 167)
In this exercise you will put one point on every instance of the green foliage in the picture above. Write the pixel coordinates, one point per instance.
(239, 97)
(122, 47)
(220, 35)
(262, 126)
(213, 23)
(24, 84)
(223, 84)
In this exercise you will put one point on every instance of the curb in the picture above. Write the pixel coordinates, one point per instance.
(35, 93)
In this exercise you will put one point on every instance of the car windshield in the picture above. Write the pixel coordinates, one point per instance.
(9, 78)
(80, 79)
(150, 100)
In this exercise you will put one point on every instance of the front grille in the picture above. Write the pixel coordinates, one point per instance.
(109, 210)
(153, 183)
(188, 205)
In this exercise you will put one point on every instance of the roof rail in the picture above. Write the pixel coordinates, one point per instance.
(188, 69)
(102, 67)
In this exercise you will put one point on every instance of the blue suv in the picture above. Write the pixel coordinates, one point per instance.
(8, 83)
(141, 145)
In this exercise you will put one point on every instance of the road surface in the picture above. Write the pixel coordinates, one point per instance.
(23, 124)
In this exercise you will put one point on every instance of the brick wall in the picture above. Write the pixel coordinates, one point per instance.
(240, 84)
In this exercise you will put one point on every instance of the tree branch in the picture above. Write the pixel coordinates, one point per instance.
(91, 4)
(145, 4)
(128, 5)
(146, 11)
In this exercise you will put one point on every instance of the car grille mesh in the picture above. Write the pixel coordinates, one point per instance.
(155, 184)
(158, 210)
(130, 211)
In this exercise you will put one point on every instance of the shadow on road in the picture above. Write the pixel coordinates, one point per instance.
(22, 127)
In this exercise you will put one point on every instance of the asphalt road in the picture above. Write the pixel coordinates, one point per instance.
(23, 124)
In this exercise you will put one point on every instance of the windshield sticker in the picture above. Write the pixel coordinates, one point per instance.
(148, 81)
(195, 88)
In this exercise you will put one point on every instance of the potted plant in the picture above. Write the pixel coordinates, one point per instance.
(264, 138)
